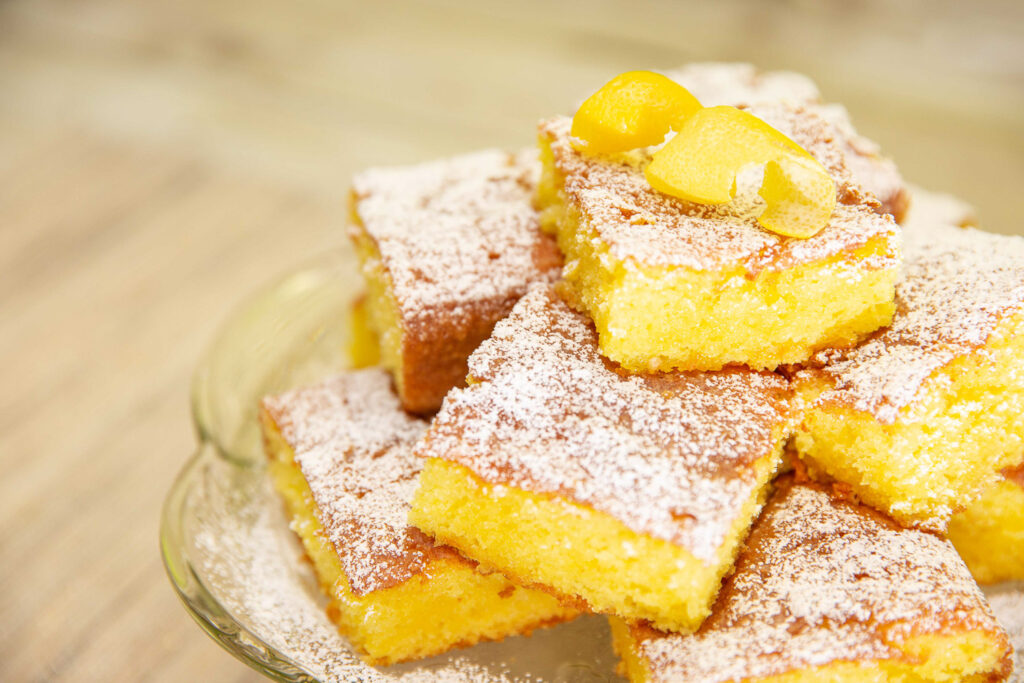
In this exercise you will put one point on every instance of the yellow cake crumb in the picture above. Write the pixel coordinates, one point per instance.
(989, 535)
(919, 420)
(589, 556)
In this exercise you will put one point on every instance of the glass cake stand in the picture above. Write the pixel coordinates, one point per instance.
(236, 565)
(241, 572)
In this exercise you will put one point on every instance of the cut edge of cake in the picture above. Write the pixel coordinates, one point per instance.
(827, 589)
(439, 602)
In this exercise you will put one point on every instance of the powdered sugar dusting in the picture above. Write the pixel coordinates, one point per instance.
(353, 444)
(822, 581)
(737, 84)
(874, 173)
(642, 225)
(457, 237)
(957, 286)
(928, 209)
(245, 555)
(668, 455)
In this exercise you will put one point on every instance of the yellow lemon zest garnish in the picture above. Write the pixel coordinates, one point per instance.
(701, 162)
(799, 197)
(634, 109)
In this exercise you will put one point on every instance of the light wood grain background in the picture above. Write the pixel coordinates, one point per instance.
(158, 160)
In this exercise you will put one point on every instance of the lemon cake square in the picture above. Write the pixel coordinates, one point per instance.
(446, 248)
(830, 590)
(918, 420)
(929, 208)
(341, 457)
(741, 84)
(626, 494)
(675, 285)
(989, 534)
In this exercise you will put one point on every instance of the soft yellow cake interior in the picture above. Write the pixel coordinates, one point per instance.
(381, 312)
(775, 318)
(943, 451)
(363, 349)
(578, 552)
(451, 605)
(989, 535)
(966, 655)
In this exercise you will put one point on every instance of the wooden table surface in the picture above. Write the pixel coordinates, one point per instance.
(159, 160)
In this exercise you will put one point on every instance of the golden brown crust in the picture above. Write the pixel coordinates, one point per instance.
(898, 205)
(435, 354)
(459, 242)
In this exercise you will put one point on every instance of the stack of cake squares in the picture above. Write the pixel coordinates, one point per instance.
(762, 457)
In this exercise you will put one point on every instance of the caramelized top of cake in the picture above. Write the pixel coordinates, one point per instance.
(641, 224)
(958, 284)
(457, 237)
(669, 455)
(353, 443)
(737, 84)
(822, 580)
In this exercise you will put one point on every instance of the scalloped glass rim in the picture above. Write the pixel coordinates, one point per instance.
(200, 603)
(322, 290)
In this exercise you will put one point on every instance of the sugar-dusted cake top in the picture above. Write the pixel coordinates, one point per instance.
(353, 444)
(642, 225)
(822, 581)
(457, 237)
(870, 170)
(958, 285)
(738, 83)
(934, 208)
(669, 455)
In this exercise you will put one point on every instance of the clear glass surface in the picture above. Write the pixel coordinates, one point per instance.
(236, 565)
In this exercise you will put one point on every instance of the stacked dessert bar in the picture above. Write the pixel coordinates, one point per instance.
(758, 454)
